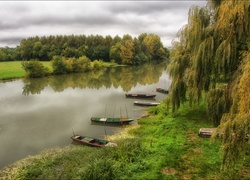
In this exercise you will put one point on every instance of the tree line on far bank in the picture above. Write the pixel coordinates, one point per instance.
(125, 50)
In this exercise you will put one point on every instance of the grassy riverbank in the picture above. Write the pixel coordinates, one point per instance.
(162, 147)
(14, 70)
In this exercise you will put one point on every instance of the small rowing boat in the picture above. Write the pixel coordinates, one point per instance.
(140, 95)
(90, 141)
(161, 90)
(206, 132)
(144, 103)
(112, 120)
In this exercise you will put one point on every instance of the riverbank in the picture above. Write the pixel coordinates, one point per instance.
(161, 147)
(13, 69)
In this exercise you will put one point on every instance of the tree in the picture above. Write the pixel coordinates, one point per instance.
(101, 52)
(114, 53)
(153, 47)
(126, 52)
(212, 57)
(3, 55)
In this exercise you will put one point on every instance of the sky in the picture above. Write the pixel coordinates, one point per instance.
(23, 19)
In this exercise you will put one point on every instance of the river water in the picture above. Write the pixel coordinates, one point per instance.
(36, 114)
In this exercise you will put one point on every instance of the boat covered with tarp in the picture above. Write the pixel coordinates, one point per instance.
(120, 120)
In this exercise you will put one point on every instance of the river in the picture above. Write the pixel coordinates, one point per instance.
(36, 114)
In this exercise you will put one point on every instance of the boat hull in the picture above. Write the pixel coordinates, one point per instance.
(161, 90)
(90, 141)
(140, 95)
(144, 103)
(206, 132)
(112, 120)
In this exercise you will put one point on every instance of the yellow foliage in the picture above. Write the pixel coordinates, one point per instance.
(244, 89)
(126, 52)
(232, 17)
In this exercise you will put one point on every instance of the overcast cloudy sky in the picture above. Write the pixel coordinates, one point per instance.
(22, 19)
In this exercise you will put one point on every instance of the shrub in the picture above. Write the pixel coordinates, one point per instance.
(59, 65)
(35, 69)
(97, 64)
(84, 63)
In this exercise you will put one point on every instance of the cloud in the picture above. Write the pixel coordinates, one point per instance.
(24, 19)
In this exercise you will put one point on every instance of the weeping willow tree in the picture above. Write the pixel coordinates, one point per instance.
(183, 59)
(212, 58)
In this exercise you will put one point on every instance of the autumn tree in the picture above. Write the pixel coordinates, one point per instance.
(153, 47)
(127, 52)
(212, 58)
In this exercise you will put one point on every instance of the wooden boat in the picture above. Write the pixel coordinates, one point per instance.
(117, 120)
(90, 141)
(161, 90)
(206, 132)
(145, 103)
(140, 95)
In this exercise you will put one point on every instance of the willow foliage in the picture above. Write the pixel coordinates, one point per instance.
(178, 71)
(235, 140)
(213, 49)
(218, 103)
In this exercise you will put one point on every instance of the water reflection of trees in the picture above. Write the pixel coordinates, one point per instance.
(124, 77)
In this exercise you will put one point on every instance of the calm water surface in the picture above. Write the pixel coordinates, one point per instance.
(42, 113)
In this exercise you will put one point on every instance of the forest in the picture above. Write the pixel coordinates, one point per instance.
(211, 61)
(121, 50)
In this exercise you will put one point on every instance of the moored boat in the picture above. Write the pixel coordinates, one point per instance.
(161, 90)
(140, 95)
(118, 120)
(90, 141)
(206, 132)
(145, 103)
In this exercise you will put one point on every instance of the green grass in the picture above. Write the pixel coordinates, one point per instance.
(10, 70)
(178, 151)
(13, 69)
(162, 147)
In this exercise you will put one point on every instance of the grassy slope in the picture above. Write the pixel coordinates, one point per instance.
(13, 69)
(178, 151)
(162, 148)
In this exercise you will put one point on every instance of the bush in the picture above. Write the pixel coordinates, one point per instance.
(35, 69)
(97, 64)
(84, 63)
(60, 66)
